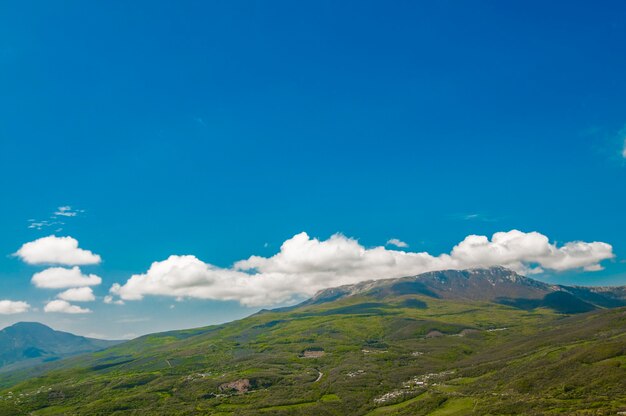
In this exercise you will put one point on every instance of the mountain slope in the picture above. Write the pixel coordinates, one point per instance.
(373, 350)
(30, 343)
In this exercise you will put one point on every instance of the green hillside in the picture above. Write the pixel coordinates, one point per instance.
(373, 350)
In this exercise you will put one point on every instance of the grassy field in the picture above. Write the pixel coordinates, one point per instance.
(401, 355)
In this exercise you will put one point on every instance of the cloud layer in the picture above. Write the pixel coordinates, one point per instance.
(9, 307)
(305, 265)
(56, 250)
(61, 278)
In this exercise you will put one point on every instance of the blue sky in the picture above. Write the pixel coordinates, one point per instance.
(222, 129)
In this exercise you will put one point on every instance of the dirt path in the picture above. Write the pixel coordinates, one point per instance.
(319, 377)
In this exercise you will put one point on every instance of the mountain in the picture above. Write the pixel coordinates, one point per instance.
(495, 284)
(443, 343)
(30, 343)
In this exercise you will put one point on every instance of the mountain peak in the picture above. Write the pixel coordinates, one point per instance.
(28, 325)
(493, 269)
(28, 329)
(492, 274)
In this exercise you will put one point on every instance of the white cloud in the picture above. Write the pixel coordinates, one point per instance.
(397, 243)
(62, 306)
(518, 250)
(624, 149)
(305, 265)
(186, 276)
(110, 300)
(61, 278)
(39, 225)
(56, 250)
(63, 211)
(67, 211)
(9, 307)
(473, 216)
(77, 294)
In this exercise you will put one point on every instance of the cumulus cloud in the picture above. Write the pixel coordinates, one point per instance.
(624, 149)
(77, 294)
(62, 306)
(186, 276)
(518, 250)
(10, 307)
(397, 243)
(56, 250)
(61, 278)
(305, 265)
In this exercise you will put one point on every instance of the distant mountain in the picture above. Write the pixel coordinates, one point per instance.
(29, 343)
(494, 284)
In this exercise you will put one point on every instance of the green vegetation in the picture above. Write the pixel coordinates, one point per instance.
(379, 358)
